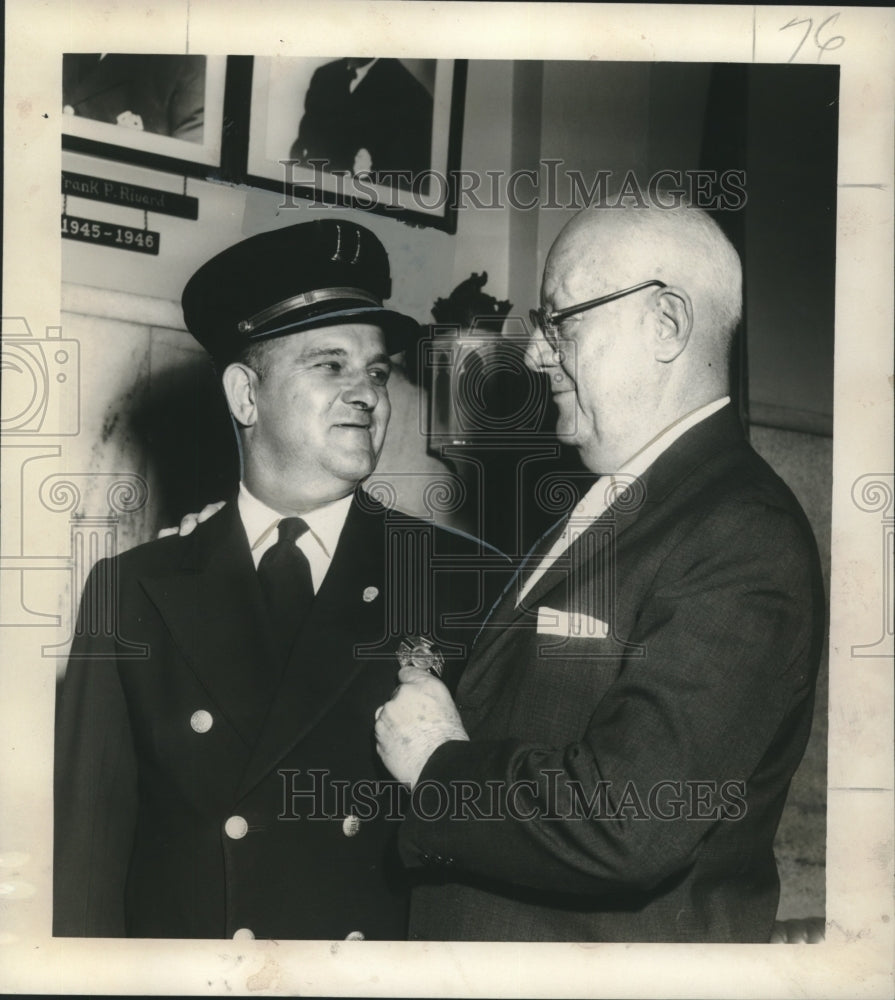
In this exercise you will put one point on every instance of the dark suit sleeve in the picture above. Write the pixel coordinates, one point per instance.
(728, 629)
(95, 779)
(326, 130)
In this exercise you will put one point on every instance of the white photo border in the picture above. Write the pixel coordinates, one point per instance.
(856, 958)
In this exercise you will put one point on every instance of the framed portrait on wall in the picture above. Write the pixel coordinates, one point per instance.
(374, 133)
(154, 110)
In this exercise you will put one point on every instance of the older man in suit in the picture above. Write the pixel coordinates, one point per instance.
(636, 704)
(225, 783)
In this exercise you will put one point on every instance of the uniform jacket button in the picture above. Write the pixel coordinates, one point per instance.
(355, 936)
(236, 827)
(351, 826)
(244, 934)
(201, 721)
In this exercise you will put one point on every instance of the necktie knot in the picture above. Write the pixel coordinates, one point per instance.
(290, 529)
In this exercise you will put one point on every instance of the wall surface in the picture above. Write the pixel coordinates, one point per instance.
(789, 238)
(805, 463)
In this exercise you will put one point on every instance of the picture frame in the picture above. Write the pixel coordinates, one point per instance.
(157, 111)
(310, 137)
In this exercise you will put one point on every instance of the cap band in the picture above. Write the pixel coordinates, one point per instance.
(306, 299)
(328, 318)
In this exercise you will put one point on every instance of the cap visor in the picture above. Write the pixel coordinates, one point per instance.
(399, 330)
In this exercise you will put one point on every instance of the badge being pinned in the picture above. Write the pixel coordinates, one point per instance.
(420, 653)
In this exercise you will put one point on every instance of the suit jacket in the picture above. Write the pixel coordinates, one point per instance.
(167, 92)
(652, 761)
(389, 114)
(197, 792)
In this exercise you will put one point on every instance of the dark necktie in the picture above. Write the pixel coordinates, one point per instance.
(285, 578)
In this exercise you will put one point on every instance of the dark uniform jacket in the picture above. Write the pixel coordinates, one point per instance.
(653, 761)
(189, 798)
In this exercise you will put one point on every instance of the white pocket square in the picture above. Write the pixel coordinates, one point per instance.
(572, 624)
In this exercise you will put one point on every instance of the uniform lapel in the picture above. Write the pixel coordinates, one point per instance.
(347, 612)
(213, 607)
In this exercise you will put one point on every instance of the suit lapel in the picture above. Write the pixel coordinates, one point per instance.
(572, 572)
(590, 543)
(721, 431)
(588, 549)
(324, 662)
(213, 607)
(504, 611)
(584, 563)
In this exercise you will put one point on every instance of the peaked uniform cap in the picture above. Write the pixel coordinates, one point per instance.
(315, 274)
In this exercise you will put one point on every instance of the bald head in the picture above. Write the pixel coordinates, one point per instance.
(623, 371)
(610, 249)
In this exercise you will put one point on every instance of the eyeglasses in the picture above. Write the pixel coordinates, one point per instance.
(547, 323)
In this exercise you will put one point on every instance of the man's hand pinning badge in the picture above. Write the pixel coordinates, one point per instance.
(414, 722)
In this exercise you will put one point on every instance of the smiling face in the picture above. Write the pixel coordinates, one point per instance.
(626, 370)
(314, 417)
(599, 379)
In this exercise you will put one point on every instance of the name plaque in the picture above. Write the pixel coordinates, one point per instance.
(130, 195)
(110, 234)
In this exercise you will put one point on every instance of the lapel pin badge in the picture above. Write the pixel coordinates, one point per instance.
(418, 652)
(370, 594)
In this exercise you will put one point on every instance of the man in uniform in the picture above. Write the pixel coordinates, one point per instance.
(223, 783)
(636, 704)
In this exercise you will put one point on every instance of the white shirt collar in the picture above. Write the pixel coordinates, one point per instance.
(594, 503)
(325, 525)
(360, 73)
(639, 463)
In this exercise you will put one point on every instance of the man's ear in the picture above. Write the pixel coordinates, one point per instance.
(240, 387)
(674, 312)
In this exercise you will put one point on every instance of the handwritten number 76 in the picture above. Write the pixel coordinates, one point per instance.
(836, 42)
